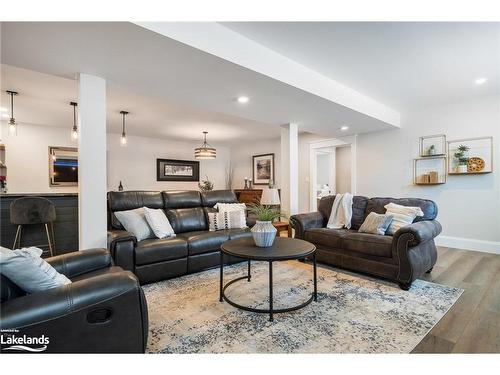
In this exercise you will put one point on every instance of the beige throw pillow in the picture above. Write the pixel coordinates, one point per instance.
(402, 216)
(226, 220)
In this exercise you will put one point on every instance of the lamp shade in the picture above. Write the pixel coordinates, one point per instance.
(270, 197)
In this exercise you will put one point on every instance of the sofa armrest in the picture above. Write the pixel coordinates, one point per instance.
(80, 262)
(102, 314)
(419, 232)
(302, 222)
(121, 245)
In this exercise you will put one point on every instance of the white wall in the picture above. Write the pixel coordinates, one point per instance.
(323, 165)
(343, 169)
(134, 165)
(469, 206)
(27, 157)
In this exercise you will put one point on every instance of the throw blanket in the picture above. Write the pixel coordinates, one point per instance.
(341, 212)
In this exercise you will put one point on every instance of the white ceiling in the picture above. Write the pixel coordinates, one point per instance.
(153, 66)
(404, 65)
(44, 100)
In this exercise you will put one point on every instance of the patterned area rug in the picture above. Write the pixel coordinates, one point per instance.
(354, 314)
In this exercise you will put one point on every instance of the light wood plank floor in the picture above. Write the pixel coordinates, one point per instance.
(473, 324)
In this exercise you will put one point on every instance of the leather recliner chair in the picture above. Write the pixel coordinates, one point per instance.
(103, 310)
(403, 257)
(193, 249)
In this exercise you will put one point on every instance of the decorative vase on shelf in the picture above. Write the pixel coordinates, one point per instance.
(263, 233)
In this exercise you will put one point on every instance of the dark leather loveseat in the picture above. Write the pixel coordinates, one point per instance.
(193, 249)
(103, 310)
(402, 258)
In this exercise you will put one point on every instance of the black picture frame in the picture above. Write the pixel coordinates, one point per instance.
(163, 164)
(255, 159)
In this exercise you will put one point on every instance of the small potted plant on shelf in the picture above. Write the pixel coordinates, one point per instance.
(462, 158)
(263, 231)
(206, 185)
(432, 150)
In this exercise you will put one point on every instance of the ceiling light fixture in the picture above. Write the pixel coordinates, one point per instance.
(12, 121)
(123, 139)
(205, 151)
(243, 99)
(344, 128)
(74, 130)
(480, 81)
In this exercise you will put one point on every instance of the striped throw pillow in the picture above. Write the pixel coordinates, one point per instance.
(402, 216)
(376, 223)
(226, 220)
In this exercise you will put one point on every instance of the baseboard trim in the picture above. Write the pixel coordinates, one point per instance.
(469, 244)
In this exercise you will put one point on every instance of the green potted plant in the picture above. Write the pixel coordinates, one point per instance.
(432, 150)
(206, 185)
(462, 158)
(263, 231)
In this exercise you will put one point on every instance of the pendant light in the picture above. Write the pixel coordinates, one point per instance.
(205, 151)
(123, 139)
(12, 121)
(74, 130)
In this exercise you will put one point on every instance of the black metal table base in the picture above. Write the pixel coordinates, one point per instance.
(271, 311)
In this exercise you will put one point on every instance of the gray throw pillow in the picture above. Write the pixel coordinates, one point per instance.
(134, 221)
(28, 271)
(376, 223)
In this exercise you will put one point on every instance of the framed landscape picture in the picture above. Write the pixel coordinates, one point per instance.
(263, 169)
(177, 170)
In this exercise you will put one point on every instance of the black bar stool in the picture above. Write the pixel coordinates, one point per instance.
(33, 211)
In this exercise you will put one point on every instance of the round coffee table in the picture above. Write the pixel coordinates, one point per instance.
(282, 249)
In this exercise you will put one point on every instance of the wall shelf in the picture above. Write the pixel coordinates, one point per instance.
(461, 173)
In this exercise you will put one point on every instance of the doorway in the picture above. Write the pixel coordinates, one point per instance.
(332, 168)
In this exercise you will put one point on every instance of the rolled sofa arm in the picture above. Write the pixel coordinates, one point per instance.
(80, 262)
(105, 313)
(302, 222)
(419, 232)
(121, 245)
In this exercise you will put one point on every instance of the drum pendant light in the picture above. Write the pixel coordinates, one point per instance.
(205, 151)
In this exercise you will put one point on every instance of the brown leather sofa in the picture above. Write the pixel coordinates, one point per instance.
(193, 249)
(402, 258)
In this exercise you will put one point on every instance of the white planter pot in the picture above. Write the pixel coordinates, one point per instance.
(263, 233)
(462, 168)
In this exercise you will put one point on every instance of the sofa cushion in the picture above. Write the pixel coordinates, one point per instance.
(159, 250)
(234, 234)
(428, 207)
(325, 237)
(370, 244)
(181, 199)
(200, 242)
(359, 204)
(130, 200)
(212, 197)
(187, 219)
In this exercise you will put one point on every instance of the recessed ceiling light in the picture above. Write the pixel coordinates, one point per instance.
(480, 81)
(243, 99)
(344, 127)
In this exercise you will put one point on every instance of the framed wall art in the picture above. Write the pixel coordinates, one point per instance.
(177, 170)
(263, 169)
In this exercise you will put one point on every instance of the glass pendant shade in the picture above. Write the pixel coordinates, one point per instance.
(205, 151)
(12, 121)
(123, 138)
(74, 130)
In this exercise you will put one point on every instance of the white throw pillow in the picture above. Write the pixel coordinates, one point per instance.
(223, 207)
(158, 222)
(376, 224)
(28, 271)
(226, 220)
(402, 216)
(134, 221)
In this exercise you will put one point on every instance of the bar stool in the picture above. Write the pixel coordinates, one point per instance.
(33, 211)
